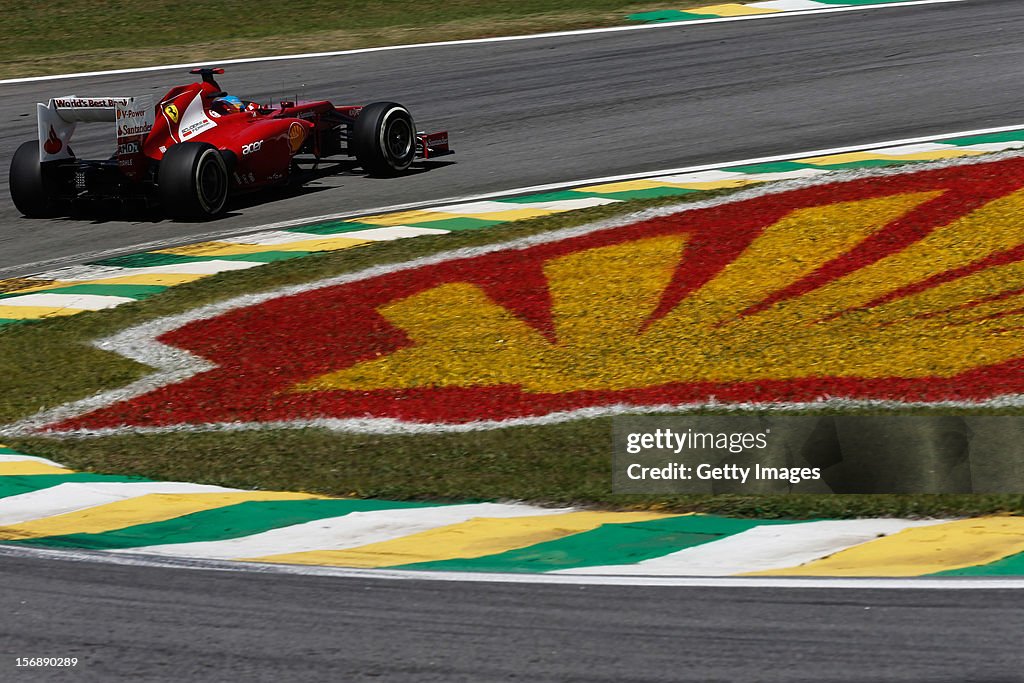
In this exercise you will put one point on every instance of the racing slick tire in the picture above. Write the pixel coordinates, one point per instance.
(384, 138)
(192, 181)
(32, 183)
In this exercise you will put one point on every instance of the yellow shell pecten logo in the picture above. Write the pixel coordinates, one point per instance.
(296, 136)
(603, 300)
(172, 112)
(906, 288)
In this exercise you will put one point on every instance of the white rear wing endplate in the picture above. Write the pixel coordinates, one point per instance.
(59, 118)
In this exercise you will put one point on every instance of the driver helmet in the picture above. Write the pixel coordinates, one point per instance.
(228, 104)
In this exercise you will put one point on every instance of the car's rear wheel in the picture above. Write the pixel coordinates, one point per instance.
(193, 182)
(34, 186)
(384, 138)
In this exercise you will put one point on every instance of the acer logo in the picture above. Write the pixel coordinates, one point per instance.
(251, 147)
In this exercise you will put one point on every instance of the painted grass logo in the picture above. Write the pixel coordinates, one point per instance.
(906, 287)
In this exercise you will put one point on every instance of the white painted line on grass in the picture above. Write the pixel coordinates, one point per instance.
(472, 41)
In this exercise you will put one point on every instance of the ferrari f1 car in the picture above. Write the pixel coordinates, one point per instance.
(198, 145)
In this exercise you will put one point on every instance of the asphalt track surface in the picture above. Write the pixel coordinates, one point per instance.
(526, 113)
(192, 625)
(555, 109)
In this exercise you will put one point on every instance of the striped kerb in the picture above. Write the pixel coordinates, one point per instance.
(43, 504)
(115, 281)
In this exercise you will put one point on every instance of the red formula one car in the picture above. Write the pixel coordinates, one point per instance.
(198, 145)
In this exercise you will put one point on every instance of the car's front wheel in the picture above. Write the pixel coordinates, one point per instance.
(192, 181)
(384, 138)
(32, 183)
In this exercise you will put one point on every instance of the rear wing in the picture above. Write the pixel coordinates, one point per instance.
(61, 115)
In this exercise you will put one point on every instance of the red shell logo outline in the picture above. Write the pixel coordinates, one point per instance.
(296, 136)
(904, 288)
(53, 144)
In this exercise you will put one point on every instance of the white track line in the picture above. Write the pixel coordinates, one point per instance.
(84, 302)
(70, 497)
(518, 191)
(951, 583)
(18, 457)
(474, 41)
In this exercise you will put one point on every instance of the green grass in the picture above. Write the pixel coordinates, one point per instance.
(67, 36)
(565, 463)
(49, 363)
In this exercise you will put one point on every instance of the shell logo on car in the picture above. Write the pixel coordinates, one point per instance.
(907, 287)
(296, 136)
(53, 143)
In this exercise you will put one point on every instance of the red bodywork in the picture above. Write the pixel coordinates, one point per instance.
(260, 142)
(196, 147)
